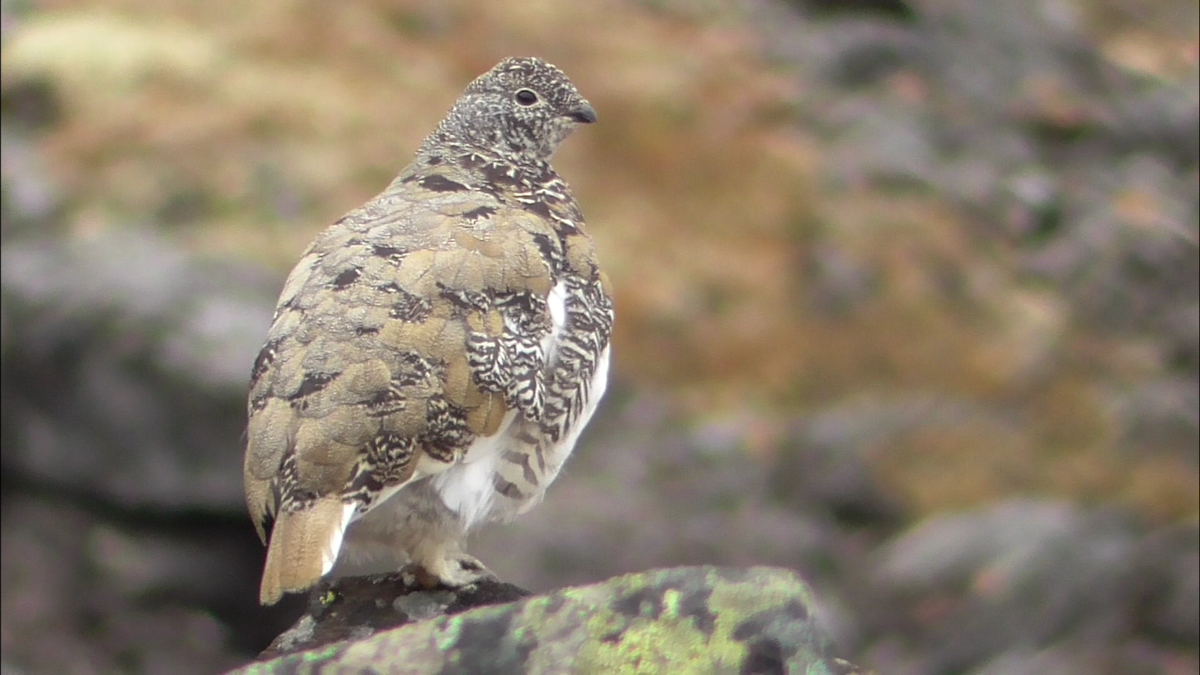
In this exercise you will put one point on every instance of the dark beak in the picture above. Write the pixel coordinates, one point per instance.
(583, 114)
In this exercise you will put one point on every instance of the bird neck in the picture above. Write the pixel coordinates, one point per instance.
(513, 171)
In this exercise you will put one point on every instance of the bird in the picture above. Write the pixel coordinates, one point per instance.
(435, 353)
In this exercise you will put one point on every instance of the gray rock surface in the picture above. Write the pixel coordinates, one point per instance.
(683, 620)
(124, 351)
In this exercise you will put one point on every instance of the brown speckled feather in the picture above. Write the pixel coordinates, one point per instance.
(411, 327)
(369, 316)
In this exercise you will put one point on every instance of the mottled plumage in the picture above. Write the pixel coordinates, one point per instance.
(435, 353)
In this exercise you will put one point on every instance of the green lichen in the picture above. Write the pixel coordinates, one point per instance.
(647, 645)
(321, 654)
(644, 628)
(447, 632)
(684, 620)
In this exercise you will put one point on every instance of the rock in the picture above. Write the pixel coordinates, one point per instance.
(824, 459)
(699, 619)
(357, 607)
(122, 350)
(75, 601)
(1170, 571)
(948, 550)
(1022, 573)
(1053, 661)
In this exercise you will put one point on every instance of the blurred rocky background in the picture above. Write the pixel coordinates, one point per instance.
(907, 301)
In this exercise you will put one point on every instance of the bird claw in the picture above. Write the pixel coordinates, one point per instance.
(454, 571)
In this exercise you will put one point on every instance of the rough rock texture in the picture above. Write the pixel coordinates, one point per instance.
(682, 620)
(354, 607)
(123, 350)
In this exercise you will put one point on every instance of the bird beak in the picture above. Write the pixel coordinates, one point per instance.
(583, 113)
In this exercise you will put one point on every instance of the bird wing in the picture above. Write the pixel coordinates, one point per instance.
(408, 329)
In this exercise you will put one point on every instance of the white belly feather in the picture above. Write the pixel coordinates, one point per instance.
(468, 488)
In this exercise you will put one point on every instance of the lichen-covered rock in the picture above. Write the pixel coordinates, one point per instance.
(681, 620)
(353, 608)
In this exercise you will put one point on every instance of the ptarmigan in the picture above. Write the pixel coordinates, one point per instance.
(435, 353)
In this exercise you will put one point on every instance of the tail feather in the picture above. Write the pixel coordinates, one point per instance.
(304, 546)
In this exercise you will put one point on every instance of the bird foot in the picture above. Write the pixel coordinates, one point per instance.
(454, 571)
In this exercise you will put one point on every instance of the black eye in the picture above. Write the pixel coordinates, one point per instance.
(526, 97)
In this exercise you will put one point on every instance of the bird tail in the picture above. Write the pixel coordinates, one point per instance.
(304, 546)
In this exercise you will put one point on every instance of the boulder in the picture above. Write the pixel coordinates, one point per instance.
(677, 620)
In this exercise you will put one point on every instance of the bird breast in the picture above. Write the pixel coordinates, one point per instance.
(469, 488)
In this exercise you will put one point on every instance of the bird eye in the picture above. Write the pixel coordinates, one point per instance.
(526, 97)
